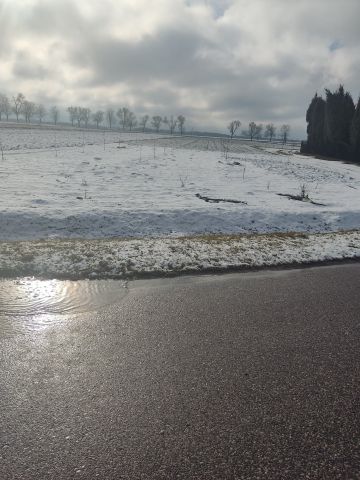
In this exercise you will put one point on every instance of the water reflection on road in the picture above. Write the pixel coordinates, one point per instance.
(32, 304)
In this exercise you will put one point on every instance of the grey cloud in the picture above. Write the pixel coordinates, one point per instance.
(168, 55)
(218, 7)
(25, 67)
(57, 18)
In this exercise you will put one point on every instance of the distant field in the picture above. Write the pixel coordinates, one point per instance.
(24, 137)
(15, 136)
(222, 144)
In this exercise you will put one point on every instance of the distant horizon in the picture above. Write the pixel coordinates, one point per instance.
(196, 128)
(192, 131)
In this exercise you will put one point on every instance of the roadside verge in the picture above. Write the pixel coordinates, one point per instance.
(141, 257)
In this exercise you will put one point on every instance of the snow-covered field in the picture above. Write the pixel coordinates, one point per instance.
(69, 183)
(23, 137)
(79, 187)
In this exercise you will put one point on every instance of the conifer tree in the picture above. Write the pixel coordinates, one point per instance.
(339, 111)
(355, 134)
(315, 116)
(333, 126)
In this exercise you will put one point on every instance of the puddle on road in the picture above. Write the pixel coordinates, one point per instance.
(32, 304)
(29, 304)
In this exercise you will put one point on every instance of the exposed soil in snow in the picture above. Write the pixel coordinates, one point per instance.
(300, 198)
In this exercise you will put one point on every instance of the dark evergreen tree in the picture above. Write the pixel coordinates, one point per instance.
(355, 134)
(310, 119)
(333, 126)
(315, 117)
(339, 112)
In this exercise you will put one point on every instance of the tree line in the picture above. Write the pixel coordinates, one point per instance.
(84, 117)
(333, 126)
(20, 106)
(256, 131)
(126, 119)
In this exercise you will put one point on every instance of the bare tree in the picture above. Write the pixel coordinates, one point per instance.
(28, 109)
(54, 114)
(284, 132)
(225, 146)
(172, 124)
(156, 122)
(98, 117)
(144, 120)
(233, 127)
(180, 122)
(255, 130)
(122, 115)
(7, 107)
(270, 131)
(259, 129)
(110, 117)
(77, 116)
(41, 112)
(252, 130)
(131, 120)
(18, 103)
(84, 114)
(73, 113)
(4, 106)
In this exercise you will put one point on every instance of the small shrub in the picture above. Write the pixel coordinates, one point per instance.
(303, 192)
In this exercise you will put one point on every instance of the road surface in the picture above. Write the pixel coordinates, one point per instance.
(241, 376)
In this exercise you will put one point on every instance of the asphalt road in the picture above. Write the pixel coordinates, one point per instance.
(241, 376)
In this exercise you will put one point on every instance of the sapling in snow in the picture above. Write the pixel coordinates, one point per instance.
(226, 145)
(56, 152)
(183, 180)
(304, 192)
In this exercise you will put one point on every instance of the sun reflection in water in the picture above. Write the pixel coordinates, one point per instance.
(37, 303)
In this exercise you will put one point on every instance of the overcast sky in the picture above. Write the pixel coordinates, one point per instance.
(211, 60)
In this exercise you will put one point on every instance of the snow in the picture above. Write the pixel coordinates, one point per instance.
(135, 258)
(63, 183)
(23, 137)
(149, 187)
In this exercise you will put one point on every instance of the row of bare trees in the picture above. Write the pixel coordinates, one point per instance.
(257, 131)
(22, 107)
(83, 116)
(125, 118)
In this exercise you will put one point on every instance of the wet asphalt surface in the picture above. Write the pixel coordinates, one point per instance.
(241, 376)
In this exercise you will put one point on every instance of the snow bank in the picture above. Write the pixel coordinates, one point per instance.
(129, 258)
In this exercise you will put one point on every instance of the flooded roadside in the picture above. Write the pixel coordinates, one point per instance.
(29, 304)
